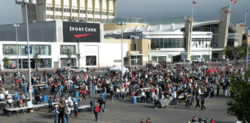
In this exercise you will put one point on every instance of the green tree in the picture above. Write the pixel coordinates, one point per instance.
(36, 58)
(235, 52)
(5, 61)
(240, 89)
(78, 55)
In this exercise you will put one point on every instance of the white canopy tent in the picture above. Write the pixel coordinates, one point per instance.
(118, 68)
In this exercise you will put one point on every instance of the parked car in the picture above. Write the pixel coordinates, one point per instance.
(77, 69)
(224, 63)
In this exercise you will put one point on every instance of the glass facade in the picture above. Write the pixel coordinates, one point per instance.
(167, 43)
(65, 62)
(158, 58)
(44, 63)
(11, 49)
(210, 28)
(206, 57)
(65, 49)
(230, 42)
(195, 57)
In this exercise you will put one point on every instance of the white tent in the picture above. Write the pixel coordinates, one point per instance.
(118, 68)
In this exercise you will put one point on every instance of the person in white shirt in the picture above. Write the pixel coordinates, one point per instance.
(152, 94)
(9, 100)
(174, 97)
(143, 96)
(155, 101)
(2, 97)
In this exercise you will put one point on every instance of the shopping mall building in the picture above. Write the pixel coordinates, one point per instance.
(76, 40)
(182, 38)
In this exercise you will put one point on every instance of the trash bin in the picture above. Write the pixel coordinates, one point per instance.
(75, 100)
(15, 95)
(34, 89)
(44, 98)
(62, 87)
(76, 94)
(103, 96)
(25, 89)
(134, 100)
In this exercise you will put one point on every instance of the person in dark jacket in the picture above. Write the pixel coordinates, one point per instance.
(112, 94)
(50, 104)
(92, 104)
(61, 114)
(202, 102)
(198, 101)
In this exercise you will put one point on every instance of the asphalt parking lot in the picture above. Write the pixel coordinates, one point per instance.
(120, 111)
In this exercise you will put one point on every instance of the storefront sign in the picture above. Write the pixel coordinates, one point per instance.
(81, 32)
(26, 50)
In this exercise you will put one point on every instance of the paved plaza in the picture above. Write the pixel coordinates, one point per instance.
(120, 111)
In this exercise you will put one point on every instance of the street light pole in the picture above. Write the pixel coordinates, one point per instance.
(122, 23)
(247, 49)
(17, 60)
(26, 2)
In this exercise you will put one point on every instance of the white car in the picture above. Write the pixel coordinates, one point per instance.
(73, 69)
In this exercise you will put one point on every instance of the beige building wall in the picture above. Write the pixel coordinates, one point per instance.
(240, 27)
(143, 46)
(224, 16)
(188, 35)
(114, 26)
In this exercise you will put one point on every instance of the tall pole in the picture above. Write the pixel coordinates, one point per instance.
(122, 52)
(27, 23)
(17, 60)
(247, 51)
(192, 10)
(246, 17)
(136, 49)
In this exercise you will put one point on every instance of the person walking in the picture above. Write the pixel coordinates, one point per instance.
(56, 112)
(96, 112)
(61, 114)
(50, 104)
(198, 98)
(67, 113)
(202, 102)
(92, 104)
(76, 109)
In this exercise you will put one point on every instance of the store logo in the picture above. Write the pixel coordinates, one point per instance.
(81, 29)
(82, 35)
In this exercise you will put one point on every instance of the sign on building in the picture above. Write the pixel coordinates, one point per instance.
(26, 50)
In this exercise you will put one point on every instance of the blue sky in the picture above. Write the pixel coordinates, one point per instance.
(204, 10)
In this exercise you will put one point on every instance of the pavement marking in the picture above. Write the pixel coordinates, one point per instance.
(124, 118)
(156, 118)
(18, 120)
(94, 117)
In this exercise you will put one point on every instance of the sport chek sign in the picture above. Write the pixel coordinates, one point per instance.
(81, 32)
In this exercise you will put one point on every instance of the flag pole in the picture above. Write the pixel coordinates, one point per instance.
(246, 18)
(230, 5)
(192, 10)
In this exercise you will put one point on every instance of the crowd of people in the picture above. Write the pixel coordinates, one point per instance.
(191, 83)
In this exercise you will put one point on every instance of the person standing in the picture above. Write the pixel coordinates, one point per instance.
(67, 113)
(23, 78)
(112, 94)
(96, 112)
(188, 102)
(202, 102)
(76, 109)
(92, 104)
(61, 114)
(50, 104)
(56, 112)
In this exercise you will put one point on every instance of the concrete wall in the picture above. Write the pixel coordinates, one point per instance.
(114, 26)
(188, 35)
(224, 16)
(240, 27)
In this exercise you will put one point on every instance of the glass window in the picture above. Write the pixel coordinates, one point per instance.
(157, 43)
(154, 58)
(165, 42)
(9, 63)
(135, 47)
(161, 58)
(91, 60)
(170, 43)
(44, 63)
(9, 49)
(160, 43)
(68, 62)
(65, 49)
(178, 44)
(152, 43)
(174, 43)
(182, 44)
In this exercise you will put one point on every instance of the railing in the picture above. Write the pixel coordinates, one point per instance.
(128, 20)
